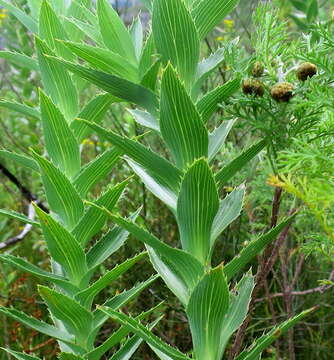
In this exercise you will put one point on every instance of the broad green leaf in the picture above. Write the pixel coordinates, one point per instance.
(93, 220)
(37, 325)
(57, 82)
(76, 319)
(18, 216)
(20, 60)
(114, 33)
(209, 13)
(96, 170)
(208, 104)
(159, 168)
(86, 297)
(51, 29)
(237, 311)
(217, 138)
(253, 248)
(20, 356)
(180, 270)
(93, 111)
(121, 88)
(197, 206)
(60, 143)
(205, 68)
(137, 36)
(264, 341)
(23, 109)
(108, 244)
(105, 60)
(161, 191)
(180, 124)
(61, 195)
(24, 18)
(22, 160)
(145, 119)
(228, 171)
(206, 310)
(34, 6)
(36, 271)
(144, 333)
(63, 247)
(176, 37)
(229, 209)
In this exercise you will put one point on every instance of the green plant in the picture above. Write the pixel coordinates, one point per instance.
(186, 180)
(70, 224)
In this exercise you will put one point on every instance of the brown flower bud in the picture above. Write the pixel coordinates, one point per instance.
(306, 70)
(258, 69)
(253, 87)
(282, 92)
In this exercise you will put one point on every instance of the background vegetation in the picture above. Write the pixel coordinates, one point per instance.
(297, 170)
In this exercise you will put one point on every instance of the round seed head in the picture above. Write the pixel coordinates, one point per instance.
(306, 70)
(282, 92)
(258, 69)
(253, 87)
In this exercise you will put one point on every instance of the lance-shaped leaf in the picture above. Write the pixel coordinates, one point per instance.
(180, 124)
(176, 37)
(180, 270)
(57, 82)
(197, 206)
(137, 36)
(94, 111)
(114, 33)
(22, 160)
(158, 167)
(208, 104)
(144, 333)
(147, 55)
(15, 215)
(209, 13)
(205, 68)
(61, 195)
(264, 341)
(63, 247)
(86, 297)
(121, 299)
(206, 310)
(229, 209)
(253, 248)
(24, 18)
(22, 109)
(218, 137)
(20, 356)
(105, 60)
(93, 220)
(149, 80)
(121, 88)
(37, 325)
(117, 336)
(161, 191)
(21, 60)
(145, 119)
(76, 319)
(50, 29)
(36, 271)
(237, 311)
(60, 143)
(228, 171)
(108, 244)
